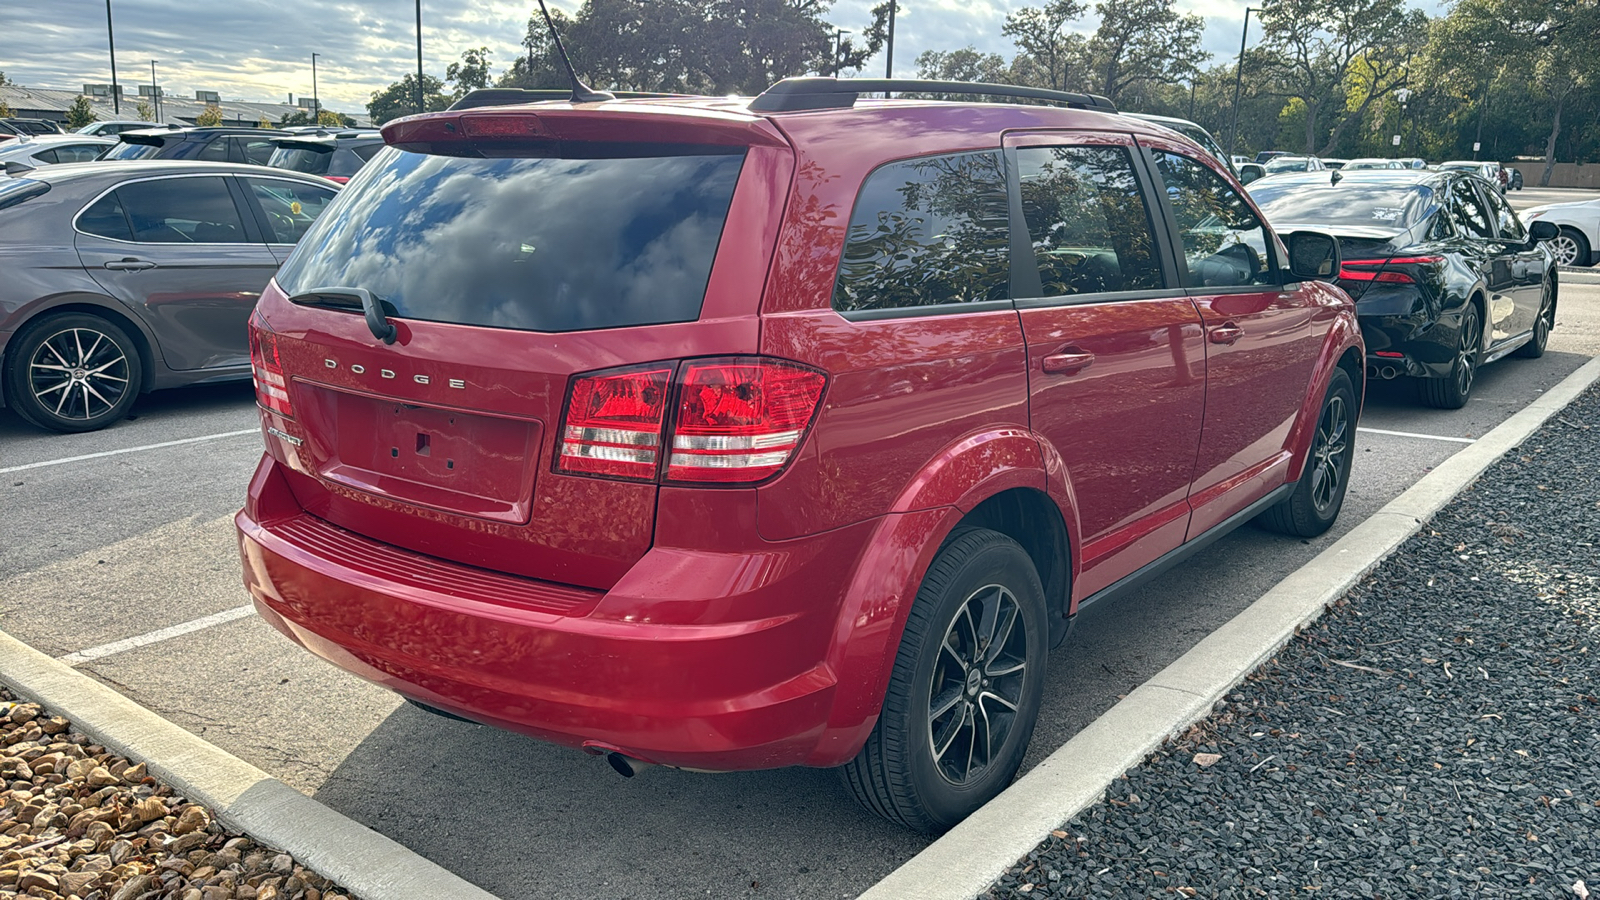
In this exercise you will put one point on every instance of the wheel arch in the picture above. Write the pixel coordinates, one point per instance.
(94, 306)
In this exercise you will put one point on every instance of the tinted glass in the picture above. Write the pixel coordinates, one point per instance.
(1362, 205)
(368, 151)
(1468, 213)
(47, 156)
(212, 151)
(539, 244)
(127, 150)
(105, 219)
(290, 207)
(16, 190)
(1506, 221)
(1224, 243)
(1087, 220)
(78, 153)
(301, 159)
(1288, 164)
(256, 151)
(928, 232)
(182, 211)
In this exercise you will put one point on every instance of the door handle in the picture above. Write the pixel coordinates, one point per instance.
(1226, 333)
(129, 265)
(1066, 361)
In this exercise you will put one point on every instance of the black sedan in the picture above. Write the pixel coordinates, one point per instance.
(1444, 275)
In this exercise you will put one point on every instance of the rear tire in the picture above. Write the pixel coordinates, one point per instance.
(1543, 325)
(965, 689)
(1319, 494)
(72, 372)
(1453, 390)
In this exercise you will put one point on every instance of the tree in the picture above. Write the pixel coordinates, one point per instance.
(264, 122)
(1141, 42)
(400, 99)
(144, 112)
(3, 81)
(1315, 45)
(471, 73)
(334, 119)
(294, 119)
(1054, 54)
(211, 115)
(966, 64)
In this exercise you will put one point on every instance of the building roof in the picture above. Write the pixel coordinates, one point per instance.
(49, 103)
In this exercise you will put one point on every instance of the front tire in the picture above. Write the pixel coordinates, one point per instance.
(1319, 494)
(1570, 247)
(1453, 390)
(72, 372)
(965, 689)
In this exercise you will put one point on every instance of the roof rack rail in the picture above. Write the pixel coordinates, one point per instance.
(512, 96)
(794, 94)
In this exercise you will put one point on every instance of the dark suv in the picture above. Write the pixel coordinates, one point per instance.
(732, 434)
(335, 155)
(222, 143)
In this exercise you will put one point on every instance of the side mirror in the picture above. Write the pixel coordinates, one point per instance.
(1313, 255)
(1541, 231)
(1248, 174)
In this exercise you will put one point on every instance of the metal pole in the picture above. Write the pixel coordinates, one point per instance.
(1238, 82)
(155, 91)
(111, 41)
(888, 65)
(419, 56)
(1483, 110)
(316, 104)
(838, 47)
(1194, 85)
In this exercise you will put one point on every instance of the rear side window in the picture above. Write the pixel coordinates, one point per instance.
(301, 159)
(1087, 220)
(1224, 243)
(105, 219)
(603, 237)
(368, 151)
(182, 211)
(931, 231)
(130, 150)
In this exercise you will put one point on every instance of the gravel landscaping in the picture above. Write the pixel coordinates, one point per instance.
(80, 823)
(1436, 734)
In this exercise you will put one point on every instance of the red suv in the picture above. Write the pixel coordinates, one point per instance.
(731, 434)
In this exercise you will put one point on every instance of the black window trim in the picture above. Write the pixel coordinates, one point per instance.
(1027, 288)
(244, 220)
(258, 213)
(1280, 276)
(933, 309)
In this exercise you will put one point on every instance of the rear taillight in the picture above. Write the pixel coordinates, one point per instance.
(266, 368)
(613, 423)
(740, 420)
(735, 420)
(1389, 271)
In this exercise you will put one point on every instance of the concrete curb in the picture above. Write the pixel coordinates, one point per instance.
(244, 797)
(967, 859)
(1575, 275)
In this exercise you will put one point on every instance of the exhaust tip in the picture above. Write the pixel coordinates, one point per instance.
(625, 766)
(1389, 373)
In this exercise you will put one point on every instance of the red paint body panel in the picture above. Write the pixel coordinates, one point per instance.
(734, 627)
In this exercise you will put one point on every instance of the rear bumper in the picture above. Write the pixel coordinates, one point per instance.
(670, 666)
(1428, 344)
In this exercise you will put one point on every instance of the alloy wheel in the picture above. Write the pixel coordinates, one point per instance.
(1565, 249)
(78, 373)
(977, 684)
(1327, 455)
(1467, 353)
(1546, 322)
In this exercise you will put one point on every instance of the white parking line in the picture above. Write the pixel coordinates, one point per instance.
(1412, 434)
(104, 453)
(154, 637)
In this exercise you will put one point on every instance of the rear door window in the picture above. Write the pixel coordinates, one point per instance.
(931, 231)
(1224, 243)
(604, 236)
(1087, 221)
(104, 218)
(1468, 213)
(1506, 222)
(182, 211)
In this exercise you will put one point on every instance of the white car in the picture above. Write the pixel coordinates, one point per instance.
(114, 127)
(34, 151)
(1579, 221)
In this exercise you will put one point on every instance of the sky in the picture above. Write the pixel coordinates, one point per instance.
(261, 49)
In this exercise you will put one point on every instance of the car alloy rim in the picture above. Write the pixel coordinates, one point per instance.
(1327, 457)
(1467, 356)
(977, 684)
(78, 373)
(1565, 250)
(1547, 318)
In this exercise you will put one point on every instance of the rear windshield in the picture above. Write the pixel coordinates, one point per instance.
(127, 150)
(301, 159)
(1372, 206)
(614, 237)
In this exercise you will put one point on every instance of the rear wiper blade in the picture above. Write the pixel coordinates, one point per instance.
(377, 322)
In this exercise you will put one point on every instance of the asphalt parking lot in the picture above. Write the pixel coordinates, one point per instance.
(109, 552)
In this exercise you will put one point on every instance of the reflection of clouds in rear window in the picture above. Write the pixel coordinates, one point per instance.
(538, 244)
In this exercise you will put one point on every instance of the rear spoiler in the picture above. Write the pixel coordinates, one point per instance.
(513, 96)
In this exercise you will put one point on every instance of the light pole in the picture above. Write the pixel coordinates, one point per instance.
(155, 91)
(111, 42)
(838, 48)
(888, 65)
(419, 56)
(316, 104)
(1238, 81)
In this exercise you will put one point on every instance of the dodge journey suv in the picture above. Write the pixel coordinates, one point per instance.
(733, 434)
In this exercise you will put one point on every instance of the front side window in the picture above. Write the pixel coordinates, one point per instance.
(1087, 221)
(1506, 221)
(1468, 213)
(1224, 243)
(290, 207)
(182, 211)
(931, 231)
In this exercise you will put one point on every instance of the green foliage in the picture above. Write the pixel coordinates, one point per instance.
(334, 119)
(80, 113)
(471, 73)
(400, 99)
(966, 64)
(5, 110)
(1055, 54)
(211, 115)
(264, 122)
(294, 119)
(144, 111)
(1143, 42)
